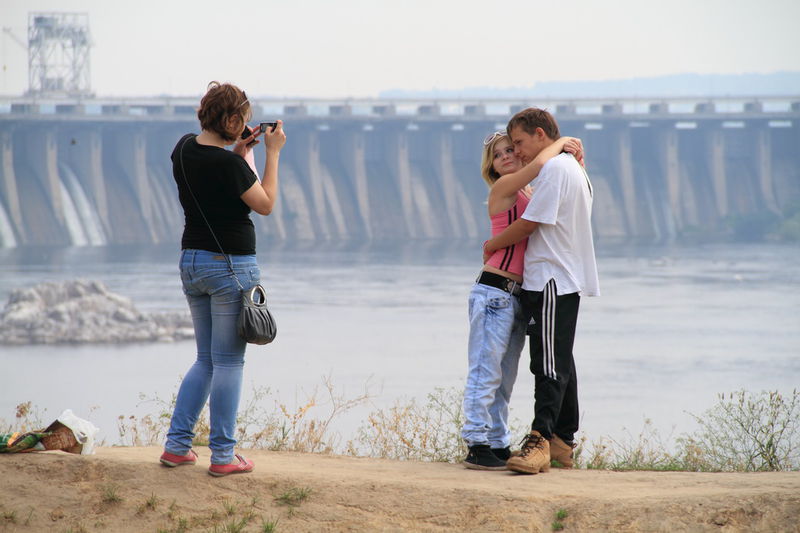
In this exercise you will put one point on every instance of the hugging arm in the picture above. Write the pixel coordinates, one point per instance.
(511, 183)
(520, 229)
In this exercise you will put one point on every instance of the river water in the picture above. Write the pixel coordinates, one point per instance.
(674, 327)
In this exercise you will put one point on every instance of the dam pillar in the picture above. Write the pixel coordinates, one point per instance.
(626, 179)
(401, 161)
(295, 215)
(764, 168)
(311, 172)
(39, 188)
(131, 152)
(457, 205)
(325, 209)
(716, 154)
(84, 153)
(326, 193)
(46, 168)
(668, 155)
(8, 184)
(354, 151)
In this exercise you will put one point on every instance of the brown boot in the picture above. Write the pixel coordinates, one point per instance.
(534, 456)
(561, 451)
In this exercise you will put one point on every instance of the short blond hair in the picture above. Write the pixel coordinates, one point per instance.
(488, 173)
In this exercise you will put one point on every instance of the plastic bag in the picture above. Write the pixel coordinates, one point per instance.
(83, 430)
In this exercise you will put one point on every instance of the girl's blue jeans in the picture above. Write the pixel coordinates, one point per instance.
(216, 376)
(496, 338)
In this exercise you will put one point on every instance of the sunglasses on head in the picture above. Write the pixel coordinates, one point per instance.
(492, 136)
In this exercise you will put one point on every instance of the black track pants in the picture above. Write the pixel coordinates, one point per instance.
(552, 334)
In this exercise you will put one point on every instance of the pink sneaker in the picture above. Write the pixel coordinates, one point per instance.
(170, 459)
(242, 467)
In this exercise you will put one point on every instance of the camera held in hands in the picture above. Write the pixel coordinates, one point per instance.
(247, 133)
(262, 127)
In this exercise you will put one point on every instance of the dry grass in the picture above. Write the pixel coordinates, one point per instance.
(262, 423)
(409, 431)
(742, 432)
(27, 417)
(747, 432)
(644, 451)
(295, 429)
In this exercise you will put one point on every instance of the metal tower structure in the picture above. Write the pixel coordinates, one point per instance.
(58, 54)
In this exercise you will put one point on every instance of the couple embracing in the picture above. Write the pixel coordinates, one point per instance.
(538, 263)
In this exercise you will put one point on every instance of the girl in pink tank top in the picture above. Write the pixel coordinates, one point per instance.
(497, 328)
(509, 260)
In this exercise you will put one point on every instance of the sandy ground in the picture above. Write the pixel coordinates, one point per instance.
(58, 492)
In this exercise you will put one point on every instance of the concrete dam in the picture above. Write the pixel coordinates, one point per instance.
(96, 172)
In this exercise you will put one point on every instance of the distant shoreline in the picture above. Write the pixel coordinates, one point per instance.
(783, 83)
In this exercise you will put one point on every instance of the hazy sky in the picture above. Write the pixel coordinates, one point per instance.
(357, 48)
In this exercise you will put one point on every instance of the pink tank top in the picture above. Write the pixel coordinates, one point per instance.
(510, 259)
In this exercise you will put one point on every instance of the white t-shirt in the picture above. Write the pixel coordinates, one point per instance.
(561, 247)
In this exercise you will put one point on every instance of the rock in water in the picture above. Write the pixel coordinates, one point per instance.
(83, 311)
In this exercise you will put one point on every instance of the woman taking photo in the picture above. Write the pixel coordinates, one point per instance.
(218, 188)
(497, 328)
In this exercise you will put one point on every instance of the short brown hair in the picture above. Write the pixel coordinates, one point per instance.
(221, 102)
(532, 118)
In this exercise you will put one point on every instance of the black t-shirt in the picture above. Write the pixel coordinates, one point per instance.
(218, 178)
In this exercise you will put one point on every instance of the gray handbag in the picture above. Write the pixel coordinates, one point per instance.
(256, 325)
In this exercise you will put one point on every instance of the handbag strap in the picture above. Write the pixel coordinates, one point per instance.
(183, 172)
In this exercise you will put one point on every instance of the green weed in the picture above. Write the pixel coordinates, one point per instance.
(269, 526)
(294, 496)
(10, 517)
(234, 526)
(182, 525)
(109, 495)
(229, 508)
(558, 523)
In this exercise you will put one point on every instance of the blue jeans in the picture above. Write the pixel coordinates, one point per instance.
(215, 302)
(496, 338)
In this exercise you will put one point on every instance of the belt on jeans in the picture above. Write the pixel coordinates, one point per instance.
(499, 282)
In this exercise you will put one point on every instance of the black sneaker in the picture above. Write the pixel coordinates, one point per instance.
(480, 457)
(502, 453)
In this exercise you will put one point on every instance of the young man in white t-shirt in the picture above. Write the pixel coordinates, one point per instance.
(559, 268)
